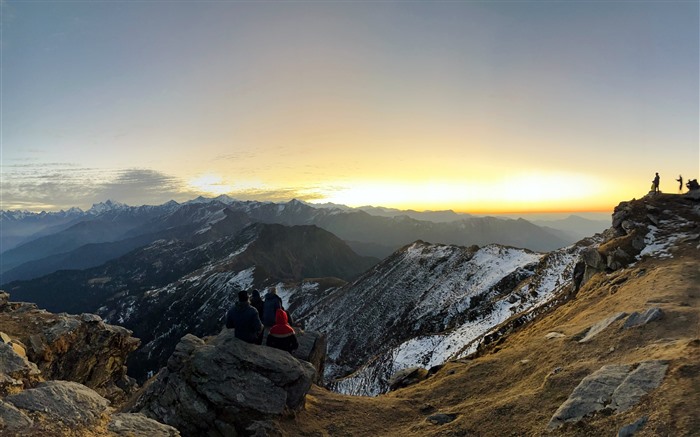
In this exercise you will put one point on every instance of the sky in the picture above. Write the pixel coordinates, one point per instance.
(507, 106)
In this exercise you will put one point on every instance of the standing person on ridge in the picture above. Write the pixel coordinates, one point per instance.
(655, 183)
(272, 303)
(245, 320)
(282, 336)
(680, 183)
(257, 302)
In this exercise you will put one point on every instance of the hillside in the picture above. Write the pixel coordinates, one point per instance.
(515, 385)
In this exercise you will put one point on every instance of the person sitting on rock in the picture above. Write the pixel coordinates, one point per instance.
(245, 320)
(281, 334)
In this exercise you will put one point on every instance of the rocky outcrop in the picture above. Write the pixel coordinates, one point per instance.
(615, 388)
(74, 348)
(225, 386)
(80, 347)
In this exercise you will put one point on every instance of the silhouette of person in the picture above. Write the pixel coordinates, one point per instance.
(245, 320)
(680, 183)
(257, 302)
(655, 183)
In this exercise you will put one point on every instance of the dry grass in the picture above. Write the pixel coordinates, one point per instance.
(515, 389)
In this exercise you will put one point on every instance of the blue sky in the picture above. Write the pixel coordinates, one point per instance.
(474, 106)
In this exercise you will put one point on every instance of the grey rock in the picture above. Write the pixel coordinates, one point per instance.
(592, 394)
(4, 298)
(225, 383)
(312, 348)
(69, 402)
(618, 259)
(11, 419)
(593, 258)
(64, 326)
(653, 219)
(138, 425)
(636, 319)
(632, 428)
(646, 377)
(266, 428)
(441, 418)
(600, 326)
(90, 318)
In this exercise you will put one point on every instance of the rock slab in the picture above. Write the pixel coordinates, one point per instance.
(616, 388)
(225, 384)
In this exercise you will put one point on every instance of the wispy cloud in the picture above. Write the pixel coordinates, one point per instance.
(53, 186)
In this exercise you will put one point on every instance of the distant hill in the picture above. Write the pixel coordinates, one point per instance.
(111, 229)
(575, 226)
(172, 287)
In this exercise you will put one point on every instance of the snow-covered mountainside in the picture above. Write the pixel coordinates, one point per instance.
(427, 304)
(196, 301)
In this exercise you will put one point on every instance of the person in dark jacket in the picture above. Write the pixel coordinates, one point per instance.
(257, 302)
(271, 305)
(245, 320)
(282, 336)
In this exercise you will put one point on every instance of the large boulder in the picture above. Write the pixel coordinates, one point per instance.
(225, 386)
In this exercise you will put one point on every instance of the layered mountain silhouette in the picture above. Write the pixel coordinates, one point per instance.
(79, 240)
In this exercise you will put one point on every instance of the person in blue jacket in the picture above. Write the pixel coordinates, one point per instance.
(272, 303)
(245, 320)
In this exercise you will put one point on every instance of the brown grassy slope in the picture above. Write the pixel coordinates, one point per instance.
(515, 389)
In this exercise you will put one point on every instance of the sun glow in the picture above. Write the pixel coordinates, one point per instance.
(209, 184)
(551, 191)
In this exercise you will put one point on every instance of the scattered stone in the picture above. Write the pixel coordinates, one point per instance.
(524, 361)
(636, 319)
(600, 326)
(441, 418)
(406, 377)
(225, 383)
(646, 377)
(556, 370)
(632, 428)
(592, 394)
(138, 425)
(553, 335)
(65, 401)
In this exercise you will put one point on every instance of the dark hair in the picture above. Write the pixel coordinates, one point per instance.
(243, 296)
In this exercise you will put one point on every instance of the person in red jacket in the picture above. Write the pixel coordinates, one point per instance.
(282, 335)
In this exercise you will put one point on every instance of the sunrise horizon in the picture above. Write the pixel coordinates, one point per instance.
(469, 106)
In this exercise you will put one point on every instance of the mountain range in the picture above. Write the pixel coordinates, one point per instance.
(33, 245)
(484, 332)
